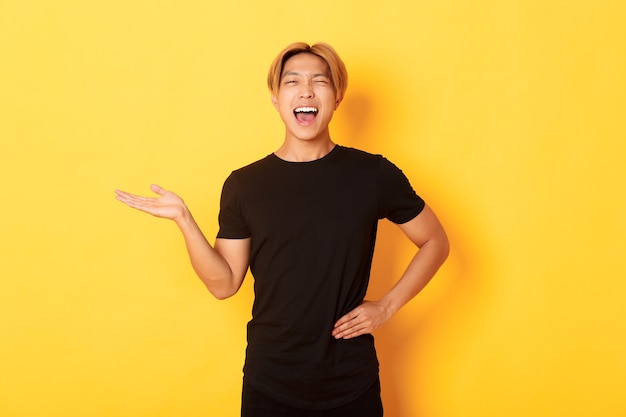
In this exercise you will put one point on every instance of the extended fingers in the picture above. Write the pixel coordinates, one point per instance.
(357, 330)
(148, 204)
(351, 325)
(132, 198)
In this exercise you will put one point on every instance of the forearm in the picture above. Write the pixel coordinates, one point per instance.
(371, 314)
(417, 275)
(221, 269)
(210, 266)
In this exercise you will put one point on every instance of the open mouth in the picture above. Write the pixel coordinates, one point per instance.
(305, 115)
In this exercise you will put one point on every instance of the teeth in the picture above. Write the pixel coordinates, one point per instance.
(306, 110)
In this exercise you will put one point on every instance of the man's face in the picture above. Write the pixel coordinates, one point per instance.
(306, 99)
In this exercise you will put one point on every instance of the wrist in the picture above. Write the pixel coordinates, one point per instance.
(388, 306)
(184, 219)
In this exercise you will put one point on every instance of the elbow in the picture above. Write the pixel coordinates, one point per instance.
(444, 249)
(221, 297)
(220, 286)
(222, 289)
(221, 294)
(438, 247)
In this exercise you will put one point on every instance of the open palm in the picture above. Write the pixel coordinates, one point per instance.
(168, 205)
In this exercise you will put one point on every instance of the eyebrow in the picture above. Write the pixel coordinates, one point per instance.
(320, 74)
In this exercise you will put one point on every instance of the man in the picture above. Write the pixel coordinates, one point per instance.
(304, 220)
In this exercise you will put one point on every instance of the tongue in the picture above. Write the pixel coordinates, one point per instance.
(305, 117)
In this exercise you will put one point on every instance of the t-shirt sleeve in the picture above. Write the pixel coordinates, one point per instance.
(231, 221)
(397, 201)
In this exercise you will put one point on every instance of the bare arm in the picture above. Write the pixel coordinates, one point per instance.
(221, 267)
(428, 235)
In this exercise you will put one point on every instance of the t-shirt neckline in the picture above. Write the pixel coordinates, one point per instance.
(323, 158)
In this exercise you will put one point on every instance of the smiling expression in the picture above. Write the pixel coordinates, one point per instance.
(306, 98)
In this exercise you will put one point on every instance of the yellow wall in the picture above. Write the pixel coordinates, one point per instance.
(508, 116)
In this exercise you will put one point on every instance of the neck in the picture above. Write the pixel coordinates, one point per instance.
(304, 151)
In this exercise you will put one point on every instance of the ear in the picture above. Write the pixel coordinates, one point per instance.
(275, 101)
(338, 102)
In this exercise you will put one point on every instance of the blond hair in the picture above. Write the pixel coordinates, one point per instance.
(338, 73)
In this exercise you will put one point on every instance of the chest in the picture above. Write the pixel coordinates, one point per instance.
(300, 202)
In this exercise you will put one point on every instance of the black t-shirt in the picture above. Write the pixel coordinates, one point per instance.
(312, 227)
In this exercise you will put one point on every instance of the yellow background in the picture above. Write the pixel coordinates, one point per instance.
(508, 117)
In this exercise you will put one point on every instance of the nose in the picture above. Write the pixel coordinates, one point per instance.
(306, 90)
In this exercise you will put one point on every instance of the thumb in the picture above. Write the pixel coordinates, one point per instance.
(157, 189)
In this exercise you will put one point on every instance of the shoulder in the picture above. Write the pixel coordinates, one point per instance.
(377, 163)
(349, 152)
(256, 166)
(385, 170)
(257, 170)
(358, 158)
